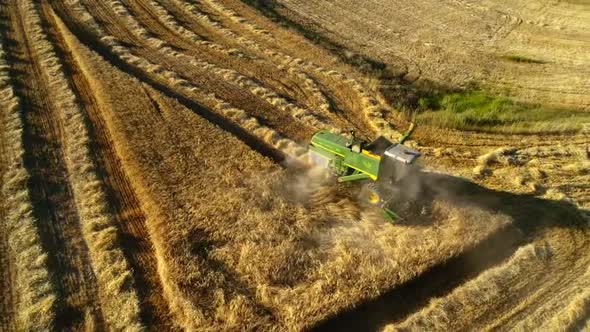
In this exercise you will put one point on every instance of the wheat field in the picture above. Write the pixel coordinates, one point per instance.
(154, 171)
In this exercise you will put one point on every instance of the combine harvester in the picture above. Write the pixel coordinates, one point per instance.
(385, 165)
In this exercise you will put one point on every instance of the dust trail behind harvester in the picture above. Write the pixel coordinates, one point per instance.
(355, 241)
(306, 179)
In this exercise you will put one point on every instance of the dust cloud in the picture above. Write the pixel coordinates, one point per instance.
(305, 178)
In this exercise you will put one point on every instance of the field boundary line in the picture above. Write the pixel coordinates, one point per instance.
(120, 305)
(35, 307)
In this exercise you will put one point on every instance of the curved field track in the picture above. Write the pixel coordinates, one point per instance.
(164, 142)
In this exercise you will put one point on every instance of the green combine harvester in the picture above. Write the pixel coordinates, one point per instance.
(381, 163)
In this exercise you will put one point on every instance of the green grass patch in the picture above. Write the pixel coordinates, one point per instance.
(522, 59)
(477, 110)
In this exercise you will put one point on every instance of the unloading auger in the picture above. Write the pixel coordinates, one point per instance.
(381, 163)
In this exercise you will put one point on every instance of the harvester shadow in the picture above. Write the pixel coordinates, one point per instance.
(529, 214)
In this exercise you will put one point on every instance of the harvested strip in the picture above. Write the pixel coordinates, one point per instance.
(119, 301)
(186, 312)
(369, 106)
(293, 65)
(123, 202)
(310, 87)
(27, 281)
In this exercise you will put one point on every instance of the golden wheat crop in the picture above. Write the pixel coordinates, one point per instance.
(35, 293)
(175, 135)
(250, 255)
(118, 297)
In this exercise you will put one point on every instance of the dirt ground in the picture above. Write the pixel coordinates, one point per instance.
(159, 174)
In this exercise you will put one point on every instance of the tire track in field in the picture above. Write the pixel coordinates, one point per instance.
(51, 192)
(128, 216)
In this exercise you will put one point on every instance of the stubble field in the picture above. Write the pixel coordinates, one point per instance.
(153, 175)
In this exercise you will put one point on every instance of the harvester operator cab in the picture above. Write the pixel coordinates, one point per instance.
(354, 144)
(395, 161)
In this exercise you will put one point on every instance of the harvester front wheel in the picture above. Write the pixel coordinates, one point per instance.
(372, 194)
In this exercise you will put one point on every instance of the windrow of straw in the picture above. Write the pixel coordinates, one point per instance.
(170, 22)
(239, 116)
(35, 307)
(295, 66)
(310, 86)
(305, 116)
(165, 215)
(237, 18)
(120, 305)
(369, 105)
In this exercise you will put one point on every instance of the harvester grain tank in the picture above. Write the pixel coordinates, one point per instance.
(381, 163)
